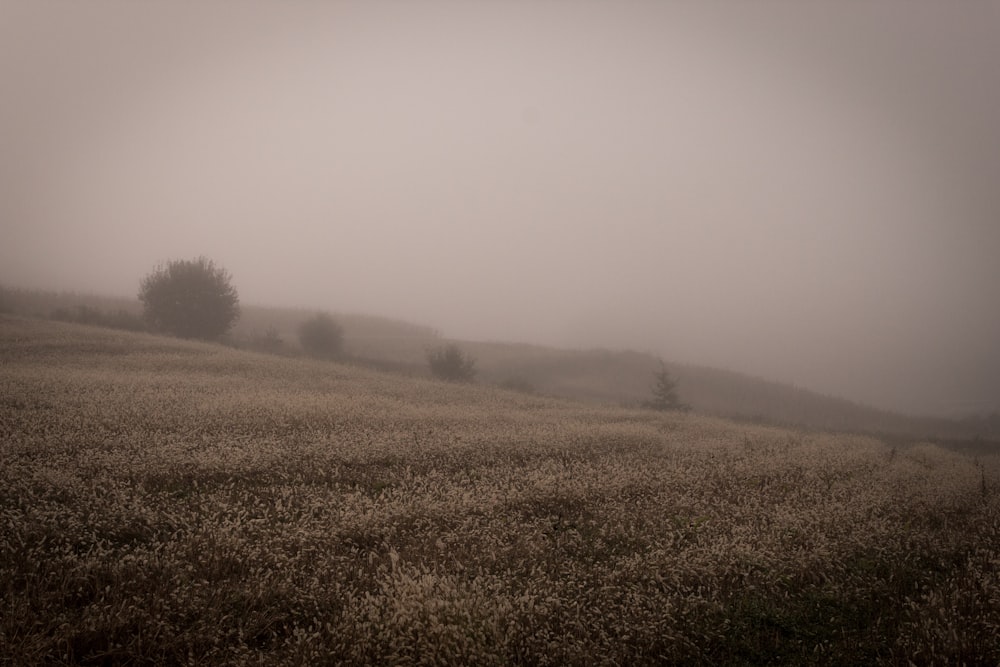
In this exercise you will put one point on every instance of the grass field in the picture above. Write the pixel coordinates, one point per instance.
(610, 377)
(169, 502)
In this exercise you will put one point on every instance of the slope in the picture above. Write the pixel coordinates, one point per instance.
(170, 502)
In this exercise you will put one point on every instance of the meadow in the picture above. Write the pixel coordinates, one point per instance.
(599, 376)
(173, 502)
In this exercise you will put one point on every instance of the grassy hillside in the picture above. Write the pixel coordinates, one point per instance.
(625, 377)
(169, 502)
(600, 376)
(365, 335)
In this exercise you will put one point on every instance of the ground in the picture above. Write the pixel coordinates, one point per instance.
(174, 502)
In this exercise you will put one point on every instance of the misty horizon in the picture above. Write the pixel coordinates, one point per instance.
(803, 194)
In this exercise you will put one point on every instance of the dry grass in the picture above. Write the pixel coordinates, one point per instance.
(164, 502)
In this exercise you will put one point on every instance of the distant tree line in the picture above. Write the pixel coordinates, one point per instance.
(83, 314)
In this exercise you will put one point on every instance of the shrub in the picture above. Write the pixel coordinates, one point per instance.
(518, 383)
(190, 299)
(321, 336)
(665, 393)
(270, 341)
(448, 362)
(123, 319)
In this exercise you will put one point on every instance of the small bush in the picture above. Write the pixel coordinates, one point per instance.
(270, 341)
(665, 393)
(518, 383)
(321, 336)
(448, 362)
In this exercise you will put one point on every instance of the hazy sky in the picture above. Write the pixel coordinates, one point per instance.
(809, 192)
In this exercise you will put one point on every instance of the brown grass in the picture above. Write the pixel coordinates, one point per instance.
(165, 502)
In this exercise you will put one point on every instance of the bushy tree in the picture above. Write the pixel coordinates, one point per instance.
(448, 362)
(321, 336)
(190, 299)
(665, 393)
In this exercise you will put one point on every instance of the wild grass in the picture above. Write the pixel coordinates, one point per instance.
(599, 376)
(168, 502)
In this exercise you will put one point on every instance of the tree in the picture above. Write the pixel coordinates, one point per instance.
(270, 341)
(190, 299)
(665, 393)
(321, 336)
(448, 362)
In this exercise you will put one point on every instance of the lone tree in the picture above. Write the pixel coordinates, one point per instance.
(448, 362)
(190, 299)
(665, 393)
(321, 336)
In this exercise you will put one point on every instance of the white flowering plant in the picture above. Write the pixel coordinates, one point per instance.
(171, 502)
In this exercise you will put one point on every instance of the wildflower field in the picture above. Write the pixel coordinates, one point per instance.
(170, 502)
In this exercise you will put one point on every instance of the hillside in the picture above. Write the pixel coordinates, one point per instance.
(171, 502)
(363, 332)
(625, 377)
(600, 376)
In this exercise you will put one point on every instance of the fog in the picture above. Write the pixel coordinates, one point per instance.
(808, 192)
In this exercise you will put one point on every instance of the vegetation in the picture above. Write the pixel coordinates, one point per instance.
(448, 362)
(599, 376)
(321, 336)
(665, 396)
(518, 384)
(39, 303)
(170, 502)
(190, 299)
(269, 342)
(83, 314)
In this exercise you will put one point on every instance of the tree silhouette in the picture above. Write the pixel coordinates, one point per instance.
(665, 393)
(190, 299)
(321, 336)
(448, 362)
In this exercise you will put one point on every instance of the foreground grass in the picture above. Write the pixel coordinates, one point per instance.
(164, 502)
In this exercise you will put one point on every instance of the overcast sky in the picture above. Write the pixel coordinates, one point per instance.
(809, 192)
